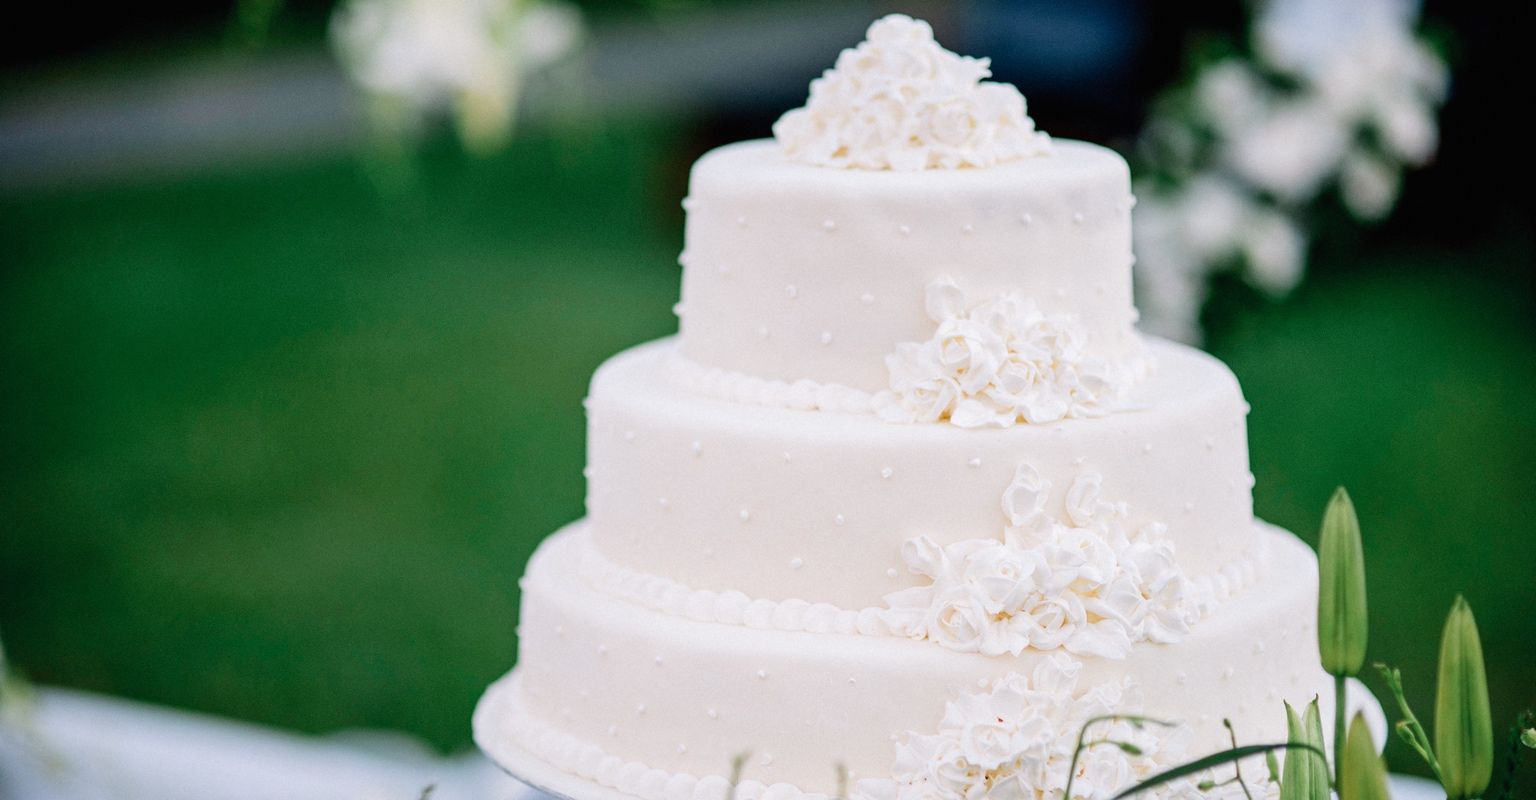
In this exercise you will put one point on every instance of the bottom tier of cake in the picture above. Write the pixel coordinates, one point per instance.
(660, 706)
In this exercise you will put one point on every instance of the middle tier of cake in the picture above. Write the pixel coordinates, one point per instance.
(815, 506)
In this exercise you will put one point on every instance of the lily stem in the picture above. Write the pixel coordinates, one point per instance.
(1338, 728)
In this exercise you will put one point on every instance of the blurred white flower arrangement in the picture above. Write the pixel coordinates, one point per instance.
(1328, 97)
(418, 59)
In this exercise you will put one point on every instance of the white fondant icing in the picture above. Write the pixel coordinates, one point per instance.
(789, 276)
(836, 467)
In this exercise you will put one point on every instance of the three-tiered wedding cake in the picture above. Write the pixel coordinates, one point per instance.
(908, 499)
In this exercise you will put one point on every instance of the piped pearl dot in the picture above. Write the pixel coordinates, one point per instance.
(796, 563)
(697, 447)
(967, 228)
(762, 331)
(677, 309)
(825, 338)
(658, 660)
(663, 503)
(613, 730)
(688, 204)
(602, 650)
(790, 291)
(682, 748)
(640, 710)
(629, 436)
(741, 222)
(745, 515)
(1258, 647)
(904, 230)
(1227, 673)
(891, 573)
(852, 681)
(1189, 506)
(1146, 448)
(1026, 218)
(839, 519)
(1077, 217)
(786, 456)
(887, 473)
(587, 472)
(711, 713)
(559, 630)
(867, 299)
(828, 225)
(1182, 677)
(767, 759)
(762, 674)
(1210, 444)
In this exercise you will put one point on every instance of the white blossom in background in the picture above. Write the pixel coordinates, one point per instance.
(1336, 97)
(414, 59)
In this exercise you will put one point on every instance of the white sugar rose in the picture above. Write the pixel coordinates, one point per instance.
(970, 352)
(958, 620)
(1003, 576)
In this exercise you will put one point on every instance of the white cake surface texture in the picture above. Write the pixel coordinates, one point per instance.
(907, 500)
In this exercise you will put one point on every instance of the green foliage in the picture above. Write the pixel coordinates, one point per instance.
(1408, 728)
(1211, 761)
(1463, 724)
(1341, 610)
(1362, 776)
(1305, 776)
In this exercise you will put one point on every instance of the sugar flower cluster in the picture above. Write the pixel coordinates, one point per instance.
(1084, 583)
(1015, 741)
(899, 101)
(995, 364)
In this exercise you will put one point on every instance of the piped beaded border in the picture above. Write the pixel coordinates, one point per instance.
(668, 596)
(504, 716)
(805, 394)
(740, 387)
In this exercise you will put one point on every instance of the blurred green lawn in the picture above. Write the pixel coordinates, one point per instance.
(276, 445)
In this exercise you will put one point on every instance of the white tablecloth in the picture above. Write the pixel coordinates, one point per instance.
(69, 745)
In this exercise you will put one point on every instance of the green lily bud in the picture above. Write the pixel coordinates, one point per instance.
(1528, 738)
(1341, 618)
(1362, 776)
(1463, 725)
(1305, 775)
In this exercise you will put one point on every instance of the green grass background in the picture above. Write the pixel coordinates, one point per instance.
(277, 445)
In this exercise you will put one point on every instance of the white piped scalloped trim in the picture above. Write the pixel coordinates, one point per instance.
(592, 763)
(736, 608)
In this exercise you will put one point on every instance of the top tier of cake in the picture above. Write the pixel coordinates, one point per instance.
(794, 271)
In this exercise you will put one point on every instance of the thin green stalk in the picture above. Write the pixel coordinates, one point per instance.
(1338, 728)
(1409, 729)
(1082, 733)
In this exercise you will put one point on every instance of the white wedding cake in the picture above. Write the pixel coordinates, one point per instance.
(908, 499)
